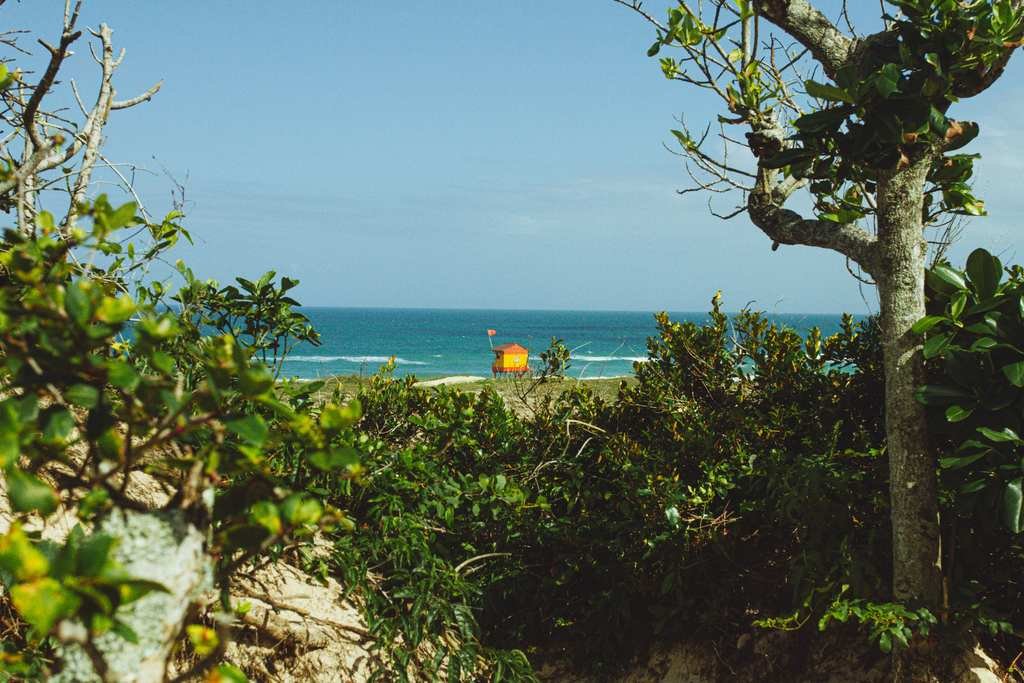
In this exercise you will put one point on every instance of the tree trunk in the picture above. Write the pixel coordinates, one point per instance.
(913, 483)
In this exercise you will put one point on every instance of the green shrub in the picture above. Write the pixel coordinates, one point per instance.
(98, 384)
(745, 456)
(974, 340)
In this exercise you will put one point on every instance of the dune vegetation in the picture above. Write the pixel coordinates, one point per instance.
(163, 483)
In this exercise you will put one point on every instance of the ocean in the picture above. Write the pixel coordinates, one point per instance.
(441, 342)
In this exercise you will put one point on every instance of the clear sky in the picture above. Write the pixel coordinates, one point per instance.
(461, 153)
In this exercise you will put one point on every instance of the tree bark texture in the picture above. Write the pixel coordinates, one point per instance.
(913, 481)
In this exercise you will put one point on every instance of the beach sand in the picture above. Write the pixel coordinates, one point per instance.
(455, 379)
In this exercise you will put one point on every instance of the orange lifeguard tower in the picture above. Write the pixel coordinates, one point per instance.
(510, 359)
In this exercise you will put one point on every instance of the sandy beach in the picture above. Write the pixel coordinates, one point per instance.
(454, 379)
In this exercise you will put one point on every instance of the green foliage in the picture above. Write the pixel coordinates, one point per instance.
(889, 624)
(555, 359)
(892, 107)
(974, 336)
(882, 110)
(78, 579)
(94, 389)
(592, 528)
(474, 532)
(260, 314)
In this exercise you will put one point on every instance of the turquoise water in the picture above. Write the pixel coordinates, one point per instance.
(436, 342)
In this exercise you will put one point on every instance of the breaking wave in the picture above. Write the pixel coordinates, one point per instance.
(351, 359)
(609, 359)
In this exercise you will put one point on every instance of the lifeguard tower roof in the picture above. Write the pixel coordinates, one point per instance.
(505, 348)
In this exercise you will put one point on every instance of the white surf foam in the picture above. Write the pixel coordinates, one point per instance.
(352, 359)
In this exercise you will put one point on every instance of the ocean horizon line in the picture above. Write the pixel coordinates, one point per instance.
(570, 310)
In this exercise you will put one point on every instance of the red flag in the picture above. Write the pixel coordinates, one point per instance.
(491, 333)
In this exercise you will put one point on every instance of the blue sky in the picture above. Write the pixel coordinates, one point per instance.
(459, 153)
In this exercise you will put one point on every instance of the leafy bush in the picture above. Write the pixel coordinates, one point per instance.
(93, 388)
(744, 456)
(974, 340)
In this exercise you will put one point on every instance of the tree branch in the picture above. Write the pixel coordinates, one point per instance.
(138, 99)
(766, 201)
(812, 29)
(784, 226)
(57, 55)
(984, 79)
(94, 134)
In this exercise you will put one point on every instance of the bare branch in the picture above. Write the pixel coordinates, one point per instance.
(138, 99)
(57, 56)
(638, 7)
(93, 135)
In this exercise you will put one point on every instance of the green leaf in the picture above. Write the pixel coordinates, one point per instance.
(654, 49)
(114, 311)
(163, 362)
(10, 449)
(299, 509)
(885, 642)
(938, 121)
(984, 344)
(29, 493)
(984, 271)
(122, 216)
(827, 92)
(255, 381)
(93, 502)
(947, 276)
(59, 425)
(960, 461)
(43, 602)
(252, 428)
(786, 157)
(130, 590)
(20, 557)
(77, 305)
(1012, 499)
(82, 395)
(227, 673)
(1004, 435)
(822, 120)
(957, 413)
(973, 486)
(1015, 373)
(887, 80)
(685, 141)
(336, 418)
(266, 515)
(926, 323)
(931, 394)
(125, 631)
(957, 304)
(122, 375)
(936, 344)
(335, 459)
(94, 554)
